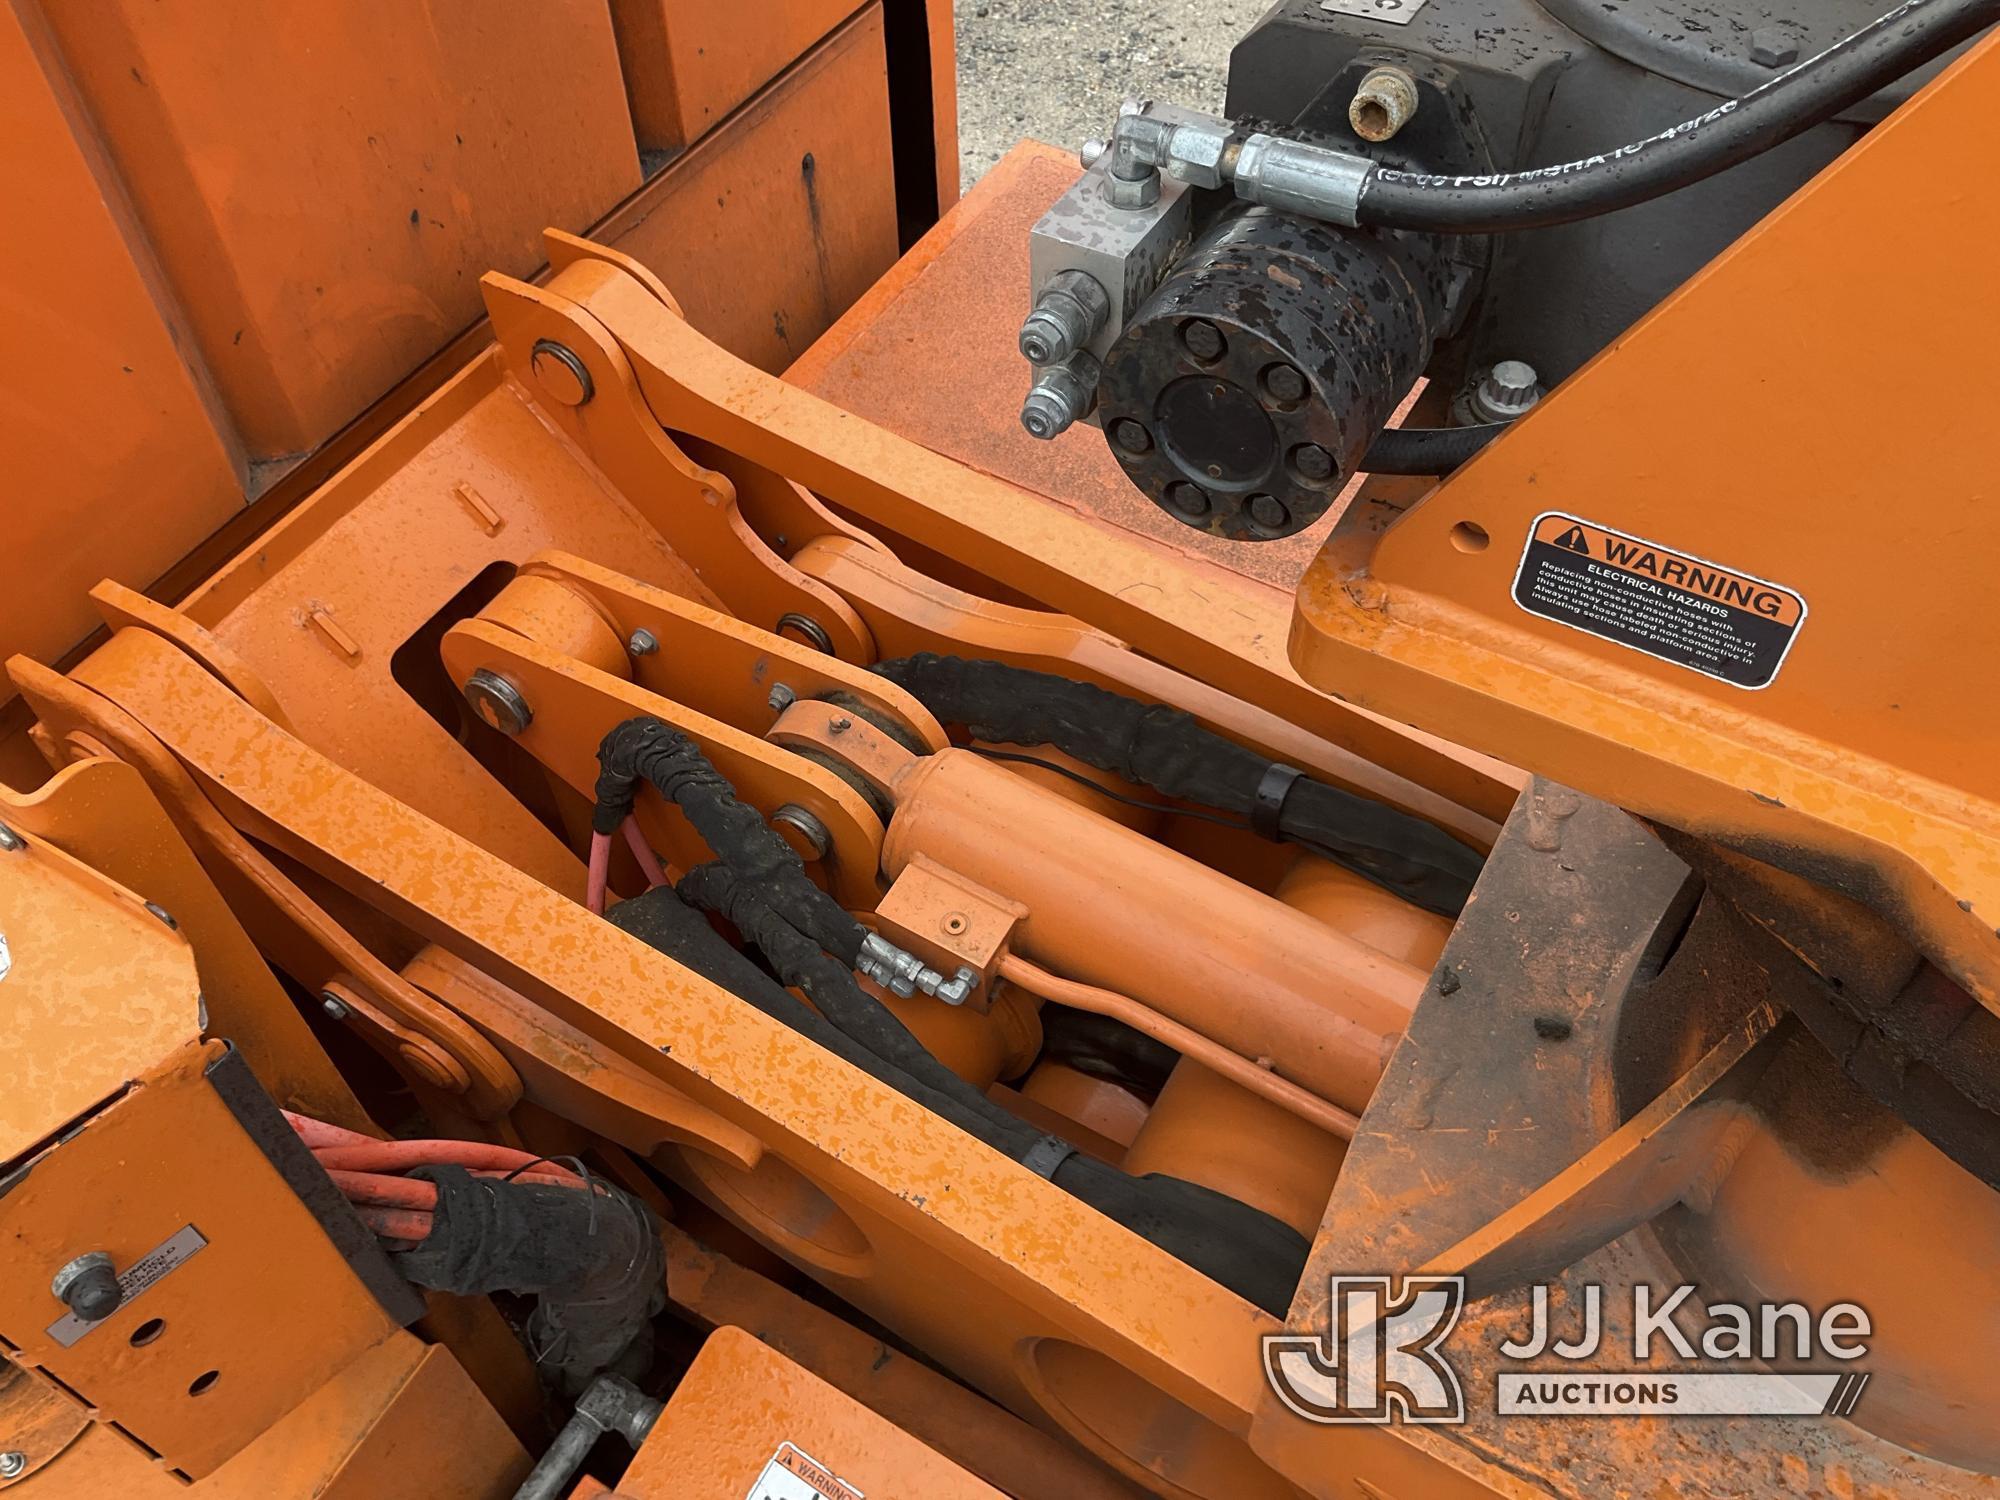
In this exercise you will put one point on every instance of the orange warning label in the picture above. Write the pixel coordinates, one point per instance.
(1686, 610)
(791, 1475)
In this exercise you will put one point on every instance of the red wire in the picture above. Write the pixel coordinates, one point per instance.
(600, 872)
(649, 862)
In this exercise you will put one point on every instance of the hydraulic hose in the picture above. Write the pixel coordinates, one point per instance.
(1426, 450)
(1241, 1247)
(1164, 748)
(645, 749)
(1734, 131)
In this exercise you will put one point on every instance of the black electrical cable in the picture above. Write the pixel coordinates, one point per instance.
(1426, 450)
(1734, 131)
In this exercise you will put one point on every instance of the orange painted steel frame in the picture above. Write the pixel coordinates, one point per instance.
(283, 699)
(904, 1216)
(1868, 764)
(183, 339)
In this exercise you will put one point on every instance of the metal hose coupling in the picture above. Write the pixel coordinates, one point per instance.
(903, 973)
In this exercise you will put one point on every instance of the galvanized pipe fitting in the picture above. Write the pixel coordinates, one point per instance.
(1061, 395)
(1072, 308)
(1383, 104)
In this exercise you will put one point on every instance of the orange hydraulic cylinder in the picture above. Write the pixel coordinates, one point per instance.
(1111, 907)
(1205, 1129)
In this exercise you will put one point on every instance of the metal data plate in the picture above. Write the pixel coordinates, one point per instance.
(1388, 12)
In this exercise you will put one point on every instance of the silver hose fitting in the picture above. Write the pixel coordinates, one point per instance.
(1383, 104)
(901, 972)
(1061, 395)
(1068, 314)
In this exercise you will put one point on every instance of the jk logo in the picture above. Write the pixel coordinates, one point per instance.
(1379, 1359)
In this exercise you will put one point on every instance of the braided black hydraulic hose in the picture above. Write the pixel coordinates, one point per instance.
(644, 749)
(1165, 748)
(1243, 1248)
(1426, 450)
(1734, 131)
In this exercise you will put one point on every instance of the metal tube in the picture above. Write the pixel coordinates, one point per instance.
(1112, 908)
(1219, 1060)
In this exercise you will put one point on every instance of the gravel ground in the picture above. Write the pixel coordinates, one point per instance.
(1056, 69)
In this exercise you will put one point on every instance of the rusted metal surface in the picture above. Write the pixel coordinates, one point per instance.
(891, 360)
(1551, 1096)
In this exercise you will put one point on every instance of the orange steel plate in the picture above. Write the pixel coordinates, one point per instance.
(1805, 455)
(743, 1411)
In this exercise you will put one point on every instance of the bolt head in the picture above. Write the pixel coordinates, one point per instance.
(1039, 339)
(1771, 48)
(1314, 464)
(1142, 191)
(643, 643)
(1283, 383)
(1090, 151)
(88, 1286)
(781, 698)
(1189, 499)
(10, 840)
(161, 913)
(13, 1464)
(1131, 436)
(333, 1005)
(1269, 512)
(1203, 339)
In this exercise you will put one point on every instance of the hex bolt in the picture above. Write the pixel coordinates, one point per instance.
(808, 827)
(10, 840)
(1383, 104)
(1188, 498)
(162, 914)
(643, 643)
(1088, 153)
(1061, 395)
(1131, 436)
(1507, 390)
(1313, 463)
(1269, 512)
(88, 1286)
(1071, 310)
(13, 1464)
(1203, 339)
(498, 702)
(333, 1005)
(1283, 383)
(781, 698)
(1771, 48)
(561, 373)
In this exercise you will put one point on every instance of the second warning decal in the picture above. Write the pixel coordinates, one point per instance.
(1681, 609)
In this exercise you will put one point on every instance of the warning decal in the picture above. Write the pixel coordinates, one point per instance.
(790, 1475)
(1682, 609)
